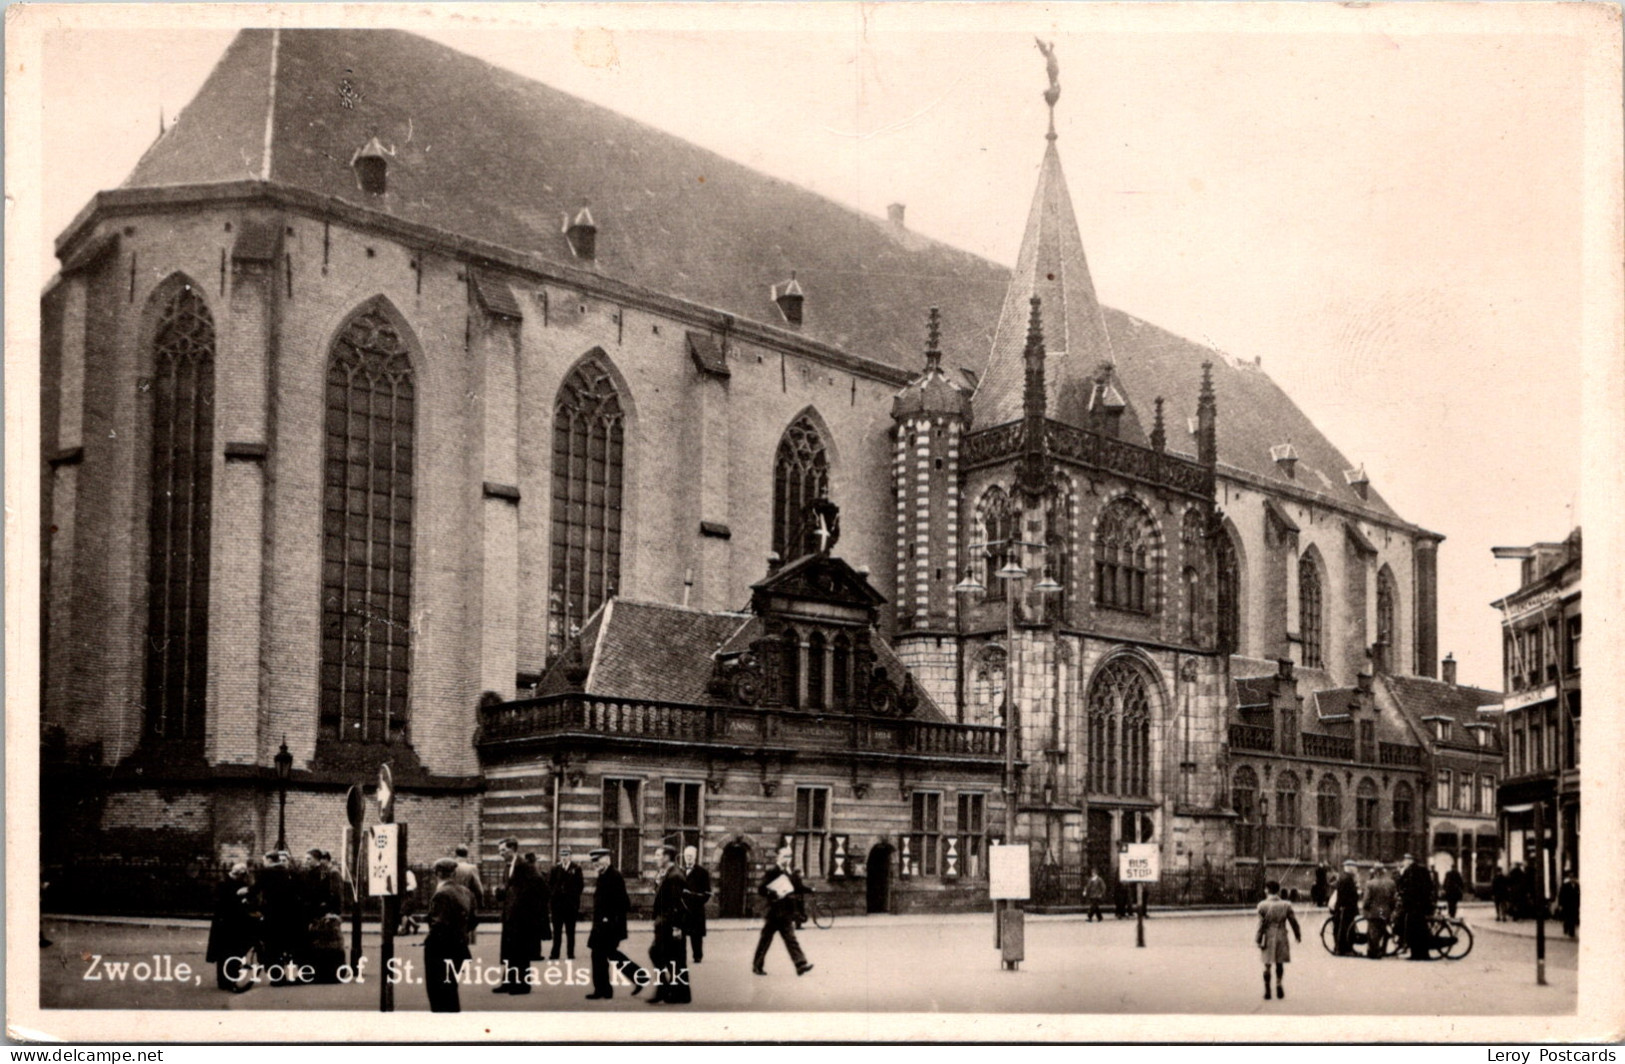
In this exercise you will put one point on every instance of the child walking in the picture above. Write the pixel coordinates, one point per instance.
(1274, 917)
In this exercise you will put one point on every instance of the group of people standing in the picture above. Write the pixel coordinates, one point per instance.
(1400, 906)
(290, 913)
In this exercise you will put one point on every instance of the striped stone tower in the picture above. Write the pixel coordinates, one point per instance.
(929, 419)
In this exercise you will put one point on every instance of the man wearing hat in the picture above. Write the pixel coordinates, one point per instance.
(451, 919)
(610, 906)
(565, 884)
(524, 918)
(1345, 907)
(1416, 898)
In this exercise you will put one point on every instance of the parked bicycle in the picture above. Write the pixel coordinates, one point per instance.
(819, 912)
(1449, 937)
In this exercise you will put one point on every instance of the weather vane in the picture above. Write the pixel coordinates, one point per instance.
(1053, 93)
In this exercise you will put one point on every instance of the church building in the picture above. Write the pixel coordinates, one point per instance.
(612, 506)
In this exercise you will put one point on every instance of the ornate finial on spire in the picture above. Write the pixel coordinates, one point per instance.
(1053, 93)
(1035, 326)
(933, 339)
(1032, 475)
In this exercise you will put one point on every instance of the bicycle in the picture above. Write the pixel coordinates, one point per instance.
(818, 912)
(1449, 937)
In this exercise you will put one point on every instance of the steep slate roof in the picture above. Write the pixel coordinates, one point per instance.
(1419, 698)
(488, 154)
(659, 653)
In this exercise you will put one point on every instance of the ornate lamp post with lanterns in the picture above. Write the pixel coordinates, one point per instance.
(284, 769)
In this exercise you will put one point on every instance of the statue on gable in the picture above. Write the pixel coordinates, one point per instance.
(823, 524)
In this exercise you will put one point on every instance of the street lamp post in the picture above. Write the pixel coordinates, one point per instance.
(284, 769)
(1012, 574)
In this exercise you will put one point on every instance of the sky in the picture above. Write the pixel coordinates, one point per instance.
(1386, 209)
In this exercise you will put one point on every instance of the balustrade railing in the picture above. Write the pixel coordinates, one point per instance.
(636, 719)
(1071, 443)
(1399, 754)
(1252, 737)
(1333, 746)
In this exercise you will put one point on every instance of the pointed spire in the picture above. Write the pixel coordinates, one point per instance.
(1052, 266)
(1159, 436)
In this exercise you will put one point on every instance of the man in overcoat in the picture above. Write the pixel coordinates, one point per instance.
(781, 886)
(564, 884)
(668, 952)
(696, 892)
(1094, 892)
(231, 931)
(1416, 895)
(451, 920)
(281, 910)
(523, 915)
(610, 906)
(1345, 907)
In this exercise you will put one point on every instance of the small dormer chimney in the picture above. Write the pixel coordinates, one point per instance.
(1106, 403)
(582, 233)
(894, 214)
(790, 298)
(1286, 456)
(1357, 480)
(371, 165)
(1447, 668)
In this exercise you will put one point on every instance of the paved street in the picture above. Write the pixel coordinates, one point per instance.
(1192, 964)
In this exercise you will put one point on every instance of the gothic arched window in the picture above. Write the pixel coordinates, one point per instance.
(1286, 800)
(800, 476)
(1309, 613)
(1329, 802)
(997, 528)
(367, 534)
(1193, 546)
(1124, 556)
(1227, 592)
(589, 451)
(987, 687)
(1244, 793)
(1387, 595)
(1404, 808)
(178, 519)
(1119, 713)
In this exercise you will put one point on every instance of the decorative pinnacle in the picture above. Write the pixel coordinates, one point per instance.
(1035, 325)
(933, 338)
(1207, 380)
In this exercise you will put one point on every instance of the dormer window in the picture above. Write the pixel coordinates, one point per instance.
(1440, 726)
(371, 165)
(790, 299)
(1357, 480)
(1285, 456)
(582, 234)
